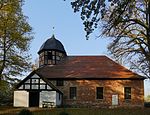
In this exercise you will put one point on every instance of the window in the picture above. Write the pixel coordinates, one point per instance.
(49, 55)
(73, 92)
(46, 57)
(59, 83)
(127, 92)
(99, 93)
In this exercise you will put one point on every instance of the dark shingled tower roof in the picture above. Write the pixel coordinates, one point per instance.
(52, 44)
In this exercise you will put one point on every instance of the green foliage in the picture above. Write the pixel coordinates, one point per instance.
(87, 111)
(25, 112)
(126, 23)
(147, 104)
(147, 99)
(63, 113)
(15, 38)
(5, 93)
(92, 11)
(98, 111)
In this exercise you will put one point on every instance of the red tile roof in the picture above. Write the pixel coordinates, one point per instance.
(87, 67)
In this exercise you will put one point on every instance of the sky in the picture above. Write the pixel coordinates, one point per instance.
(43, 15)
(68, 27)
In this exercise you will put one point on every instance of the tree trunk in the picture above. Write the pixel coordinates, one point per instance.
(148, 33)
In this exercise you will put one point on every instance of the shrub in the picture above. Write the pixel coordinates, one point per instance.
(63, 113)
(25, 112)
(147, 104)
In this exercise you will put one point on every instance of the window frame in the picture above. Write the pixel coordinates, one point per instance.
(60, 82)
(127, 93)
(100, 93)
(49, 55)
(73, 93)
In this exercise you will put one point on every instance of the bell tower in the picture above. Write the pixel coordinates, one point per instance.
(51, 52)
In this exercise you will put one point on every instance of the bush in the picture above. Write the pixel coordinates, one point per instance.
(63, 113)
(147, 104)
(25, 112)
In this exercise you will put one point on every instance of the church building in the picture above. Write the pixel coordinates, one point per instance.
(78, 81)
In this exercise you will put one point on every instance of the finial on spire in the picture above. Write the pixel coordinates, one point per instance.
(53, 29)
(53, 36)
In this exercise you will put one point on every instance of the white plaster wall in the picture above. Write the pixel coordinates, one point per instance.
(49, 96)
(35, 76)
(21, 99)
(58, 100)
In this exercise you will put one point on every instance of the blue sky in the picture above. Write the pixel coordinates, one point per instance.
(43, 15)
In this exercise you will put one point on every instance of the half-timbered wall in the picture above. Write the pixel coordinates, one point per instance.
(34, 83)
(50, 57)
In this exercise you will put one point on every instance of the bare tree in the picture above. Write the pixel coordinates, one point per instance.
(126, 23)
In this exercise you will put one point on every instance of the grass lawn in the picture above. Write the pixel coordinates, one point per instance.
(78, 111)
